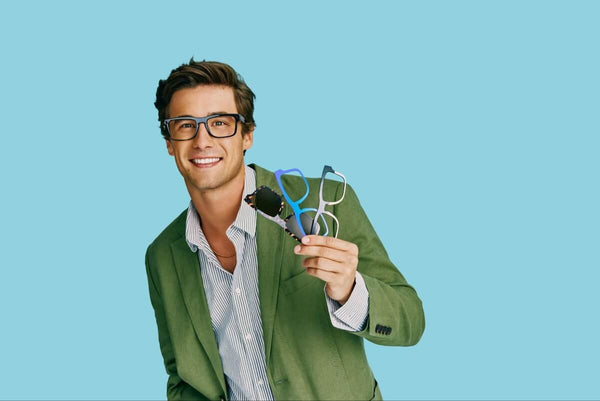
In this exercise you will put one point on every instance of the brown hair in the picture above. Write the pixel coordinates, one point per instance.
(204, 72)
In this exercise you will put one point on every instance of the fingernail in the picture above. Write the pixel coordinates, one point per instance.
(305, 240)
(297, 249)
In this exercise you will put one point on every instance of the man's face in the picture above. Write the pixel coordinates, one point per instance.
(202, 101)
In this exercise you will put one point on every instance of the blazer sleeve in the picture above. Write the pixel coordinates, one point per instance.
(395, 311)
(177, 389)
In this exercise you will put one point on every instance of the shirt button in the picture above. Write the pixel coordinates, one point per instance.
(238, 291)
(260, 382)
(248, 337)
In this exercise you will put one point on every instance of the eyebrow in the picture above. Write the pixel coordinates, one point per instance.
(209, 114)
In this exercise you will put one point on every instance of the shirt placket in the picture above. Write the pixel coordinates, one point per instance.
(262, 383)
(241, 309)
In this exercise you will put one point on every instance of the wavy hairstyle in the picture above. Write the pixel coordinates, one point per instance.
(204, 72)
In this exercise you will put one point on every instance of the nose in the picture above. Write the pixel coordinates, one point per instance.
(203, 138)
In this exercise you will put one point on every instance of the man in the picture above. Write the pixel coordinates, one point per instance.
(243, 310)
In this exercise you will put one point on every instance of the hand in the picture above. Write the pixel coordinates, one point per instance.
(333, 261)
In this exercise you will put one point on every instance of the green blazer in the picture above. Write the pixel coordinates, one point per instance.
(306, 357)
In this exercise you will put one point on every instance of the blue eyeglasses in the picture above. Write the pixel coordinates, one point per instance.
(295, 204)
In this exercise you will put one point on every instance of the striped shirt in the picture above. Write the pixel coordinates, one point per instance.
(235, 307)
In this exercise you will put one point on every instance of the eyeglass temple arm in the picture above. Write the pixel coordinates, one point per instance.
(337, 223)
(275, 219)
(250, 200)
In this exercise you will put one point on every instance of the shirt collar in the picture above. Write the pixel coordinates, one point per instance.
(245, 219)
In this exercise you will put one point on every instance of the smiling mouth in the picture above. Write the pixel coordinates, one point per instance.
(206, 161)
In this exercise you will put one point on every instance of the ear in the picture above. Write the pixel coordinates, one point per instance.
(169, 147)
(248, 138)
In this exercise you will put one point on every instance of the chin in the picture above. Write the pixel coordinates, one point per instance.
(205, 185)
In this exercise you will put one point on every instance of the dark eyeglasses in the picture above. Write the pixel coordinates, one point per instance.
(269, 204)
(217, 126)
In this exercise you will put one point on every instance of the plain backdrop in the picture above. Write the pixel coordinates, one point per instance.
(480, 117)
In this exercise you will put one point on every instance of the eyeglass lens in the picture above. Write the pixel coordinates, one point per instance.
(268, 201)
(295, 192)
(292, 225)
(336, 196)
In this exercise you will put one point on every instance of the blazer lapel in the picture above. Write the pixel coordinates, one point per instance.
(269, 239)
(190, 280)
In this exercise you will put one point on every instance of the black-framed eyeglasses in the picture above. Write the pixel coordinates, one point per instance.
(217, 126)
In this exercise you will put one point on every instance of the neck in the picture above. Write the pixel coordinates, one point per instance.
(219, 207)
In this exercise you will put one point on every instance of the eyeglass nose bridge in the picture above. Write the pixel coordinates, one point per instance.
(202, 121)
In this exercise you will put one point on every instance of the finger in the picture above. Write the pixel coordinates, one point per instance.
(325, 265)
(324, 275)
(325, 252)
(331, 242)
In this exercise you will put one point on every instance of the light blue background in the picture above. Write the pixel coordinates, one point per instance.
(480, 117)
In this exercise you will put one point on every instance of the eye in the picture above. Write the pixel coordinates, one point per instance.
(184, 124)
(219, 122)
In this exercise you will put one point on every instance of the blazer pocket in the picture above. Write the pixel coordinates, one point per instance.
(297, 282)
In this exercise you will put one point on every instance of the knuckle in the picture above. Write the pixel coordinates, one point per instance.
(349, 258)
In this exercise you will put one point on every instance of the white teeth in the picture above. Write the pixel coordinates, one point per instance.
(206, 161)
